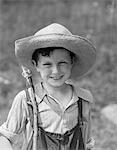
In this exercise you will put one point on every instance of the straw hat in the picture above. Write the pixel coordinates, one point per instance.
(56, 35)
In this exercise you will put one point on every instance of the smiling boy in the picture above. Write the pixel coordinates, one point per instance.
(64, 119)
(55, 67)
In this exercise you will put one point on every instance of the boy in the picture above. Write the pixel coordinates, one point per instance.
(63, 108)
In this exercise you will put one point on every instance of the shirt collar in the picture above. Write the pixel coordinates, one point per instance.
(40, 91)
(78, 92)
(83, 93)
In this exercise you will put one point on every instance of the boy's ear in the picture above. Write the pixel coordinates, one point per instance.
(75, 59)
(35, 65)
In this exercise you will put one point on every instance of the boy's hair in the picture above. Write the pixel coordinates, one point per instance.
(47, 52)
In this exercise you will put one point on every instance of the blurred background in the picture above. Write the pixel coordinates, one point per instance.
(94, 19)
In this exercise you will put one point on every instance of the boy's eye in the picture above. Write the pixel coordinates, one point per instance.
(47, 64)
(63, 63)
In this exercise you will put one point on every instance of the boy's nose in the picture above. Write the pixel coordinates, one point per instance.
(55, 69)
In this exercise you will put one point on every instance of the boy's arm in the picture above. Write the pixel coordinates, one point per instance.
(16, 119)
(5, 143)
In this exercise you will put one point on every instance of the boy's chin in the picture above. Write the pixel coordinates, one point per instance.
(57, 84)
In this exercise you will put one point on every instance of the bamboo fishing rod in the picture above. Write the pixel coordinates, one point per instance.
(28, 76)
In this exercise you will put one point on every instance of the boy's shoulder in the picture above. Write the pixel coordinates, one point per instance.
(83, 93)
(79, 91)
(21, 94)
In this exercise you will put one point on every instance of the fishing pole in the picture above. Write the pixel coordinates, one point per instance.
(28, 76)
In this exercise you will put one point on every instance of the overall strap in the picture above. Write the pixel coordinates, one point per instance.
(80, 124)
(80, 115)
(77, 140)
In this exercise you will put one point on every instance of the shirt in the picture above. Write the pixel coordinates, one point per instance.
(53, 117)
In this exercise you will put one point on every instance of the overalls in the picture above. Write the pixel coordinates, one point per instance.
(71, 140)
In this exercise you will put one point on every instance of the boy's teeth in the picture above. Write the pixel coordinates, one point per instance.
(56, 78)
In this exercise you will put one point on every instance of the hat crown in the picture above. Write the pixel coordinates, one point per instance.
(54, 28)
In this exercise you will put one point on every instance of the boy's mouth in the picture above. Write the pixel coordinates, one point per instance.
(56, 78)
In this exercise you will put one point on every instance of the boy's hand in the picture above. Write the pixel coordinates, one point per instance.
(5, 144)
(90, 145)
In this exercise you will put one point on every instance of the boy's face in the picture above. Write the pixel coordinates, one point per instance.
(56, 68)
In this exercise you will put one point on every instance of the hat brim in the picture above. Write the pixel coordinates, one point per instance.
(84, 50)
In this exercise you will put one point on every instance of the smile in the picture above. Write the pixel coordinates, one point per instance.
(56, 78)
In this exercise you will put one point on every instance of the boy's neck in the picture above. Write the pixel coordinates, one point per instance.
(52, 90)
(62, 94)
